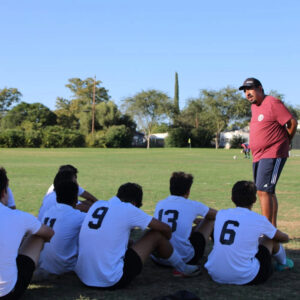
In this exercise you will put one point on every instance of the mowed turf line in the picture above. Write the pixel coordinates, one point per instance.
(101, 171)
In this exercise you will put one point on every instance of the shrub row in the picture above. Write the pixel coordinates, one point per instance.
(58, 137)
(49, 137)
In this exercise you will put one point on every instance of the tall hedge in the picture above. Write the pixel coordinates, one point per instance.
(50, 137)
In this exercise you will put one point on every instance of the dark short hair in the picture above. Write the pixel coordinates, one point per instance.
(67, 192)
(61, 176)
(244, 193)
(180, 183)
(3, 180)
(131, 192)
(68, 168)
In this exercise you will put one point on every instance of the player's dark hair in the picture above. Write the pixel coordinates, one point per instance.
(3, 180)
(243, 193)
(61, 176)
(131, 192)
(68, 168)
(67, 192)
(180, 183)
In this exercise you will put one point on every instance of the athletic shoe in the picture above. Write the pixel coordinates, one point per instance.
(287, 266)
(190, 271)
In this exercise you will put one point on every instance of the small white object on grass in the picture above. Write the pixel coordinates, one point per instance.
(234, 157)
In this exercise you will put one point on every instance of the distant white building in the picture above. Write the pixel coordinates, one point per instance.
(226, 137)
(158, 139)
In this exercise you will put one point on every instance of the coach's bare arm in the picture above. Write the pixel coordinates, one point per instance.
(281, 237)
(163, 228)
(291, 128)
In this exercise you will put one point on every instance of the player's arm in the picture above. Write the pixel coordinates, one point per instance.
(291, 128)
(211, 214)
(281, 237)
(83, 206)
(45, 233)
(89, 197)
(163, 228)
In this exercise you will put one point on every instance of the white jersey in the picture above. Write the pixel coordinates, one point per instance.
(11, 199)
(51, 189)
(179, 213)
(50, 200)
(60, 255)
(13, 226)
(103, 241)
(236, 235)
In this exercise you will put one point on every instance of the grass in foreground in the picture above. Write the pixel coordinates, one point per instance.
(101, 171)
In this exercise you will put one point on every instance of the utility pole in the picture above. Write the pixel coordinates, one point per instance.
(93, 107)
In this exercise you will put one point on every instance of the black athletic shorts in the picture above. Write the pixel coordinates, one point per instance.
(265, 269)
(198, 242)
(266, 173)
(133, 266)
(26, 268)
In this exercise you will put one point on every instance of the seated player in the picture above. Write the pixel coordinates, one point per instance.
(240, 255)
(60, 255)
(104, 259)
(50, 199)
(18, 263)
(180, 213)
(90, 199)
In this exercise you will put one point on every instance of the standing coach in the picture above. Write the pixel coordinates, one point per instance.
(272, 128)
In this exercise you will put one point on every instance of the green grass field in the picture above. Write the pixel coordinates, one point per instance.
(101, 171)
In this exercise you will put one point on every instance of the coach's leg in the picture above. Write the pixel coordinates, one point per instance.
(266, 204)
(274, 209)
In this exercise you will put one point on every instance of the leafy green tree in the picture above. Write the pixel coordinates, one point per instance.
(8, 96)
(161, 128)
(66, 118)
(73, 113)
(192, 116)
(148, 108)
(83, 90)
(118, 137)
(178, 137)
(106, 114)
(222, 107)
(29, 116)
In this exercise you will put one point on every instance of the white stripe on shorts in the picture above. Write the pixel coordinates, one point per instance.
(275, 171)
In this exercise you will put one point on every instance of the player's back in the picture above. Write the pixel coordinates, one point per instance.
(13, 226)
(60, 255)
(236, 240)
(179, 213)
(49, 200)
(103, 240)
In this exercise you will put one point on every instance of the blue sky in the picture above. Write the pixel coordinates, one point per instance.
(134, 45)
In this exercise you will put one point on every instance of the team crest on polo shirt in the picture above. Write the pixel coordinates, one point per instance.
(260, 117)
